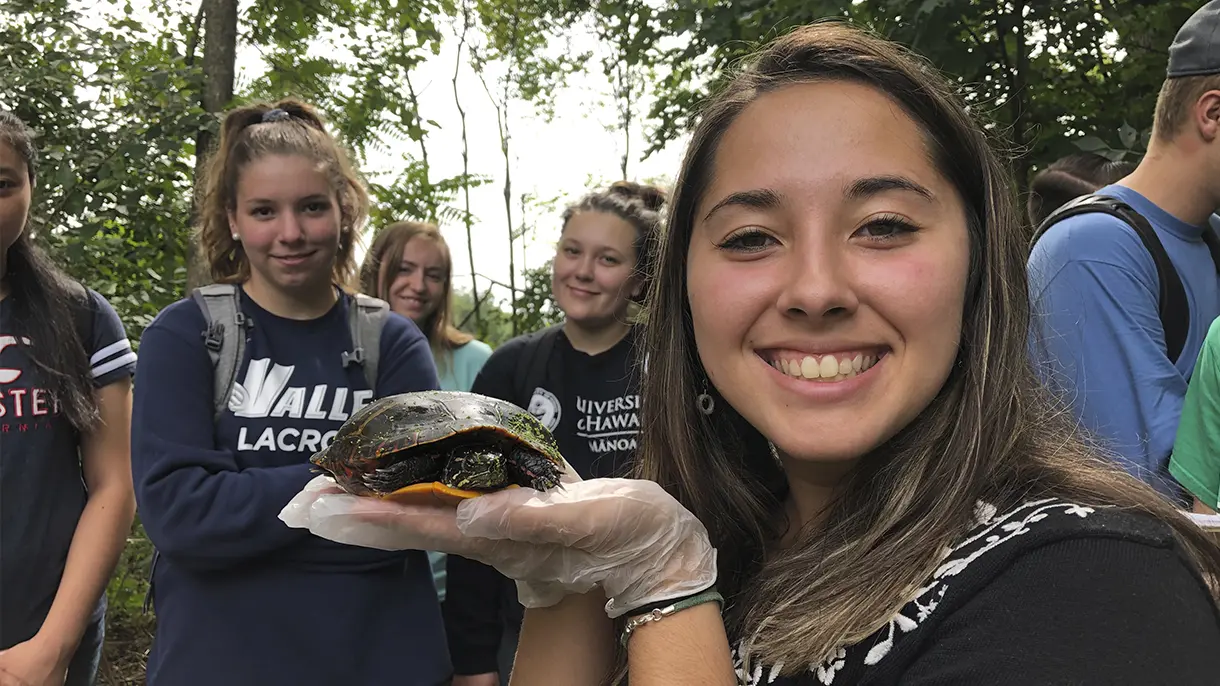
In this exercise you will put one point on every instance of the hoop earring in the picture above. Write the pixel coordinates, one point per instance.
(704, 400)
(774, 453)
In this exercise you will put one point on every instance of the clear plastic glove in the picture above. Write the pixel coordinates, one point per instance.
(630, 537)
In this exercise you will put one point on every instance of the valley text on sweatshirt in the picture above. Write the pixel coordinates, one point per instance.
(240, 597)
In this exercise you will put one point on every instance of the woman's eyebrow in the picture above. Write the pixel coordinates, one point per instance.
(760, 199)
(861, 189)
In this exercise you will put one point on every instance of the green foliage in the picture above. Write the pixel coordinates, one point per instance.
(412, 196)
(531, 40)
(536, 307)
(1083, 67)
(129, 629)
(114, 127)
(496, 323)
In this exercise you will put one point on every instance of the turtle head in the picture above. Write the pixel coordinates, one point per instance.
(341, 461)
(476, 468)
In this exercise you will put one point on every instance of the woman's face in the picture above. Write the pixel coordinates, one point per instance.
(287, 218)
(14, 196)
(417, 290)
(592, 275)
(827, 270)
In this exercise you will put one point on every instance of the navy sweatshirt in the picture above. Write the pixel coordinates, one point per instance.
(240, 597)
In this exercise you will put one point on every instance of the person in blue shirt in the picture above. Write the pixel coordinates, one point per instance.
(409, 266)
(1096, 333)
(66, 501)
(240, 597)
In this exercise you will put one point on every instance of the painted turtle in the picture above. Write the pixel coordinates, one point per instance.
(447, 445)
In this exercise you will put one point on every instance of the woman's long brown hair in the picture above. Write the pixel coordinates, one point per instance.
(386, 252)
(244, 138)
(990, 434)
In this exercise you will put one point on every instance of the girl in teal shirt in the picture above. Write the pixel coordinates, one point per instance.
(409, 266)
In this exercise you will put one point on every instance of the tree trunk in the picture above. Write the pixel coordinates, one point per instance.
(626, 105)
(508, 212)
(220, 71)
(457, 67)
(508, 180)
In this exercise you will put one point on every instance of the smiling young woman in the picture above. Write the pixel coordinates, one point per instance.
(578, 377)
(923, 517)
(410, 267)
(239, 597)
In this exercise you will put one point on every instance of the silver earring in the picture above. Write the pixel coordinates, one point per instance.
(237, 238)
(705, 401)
(775, 453)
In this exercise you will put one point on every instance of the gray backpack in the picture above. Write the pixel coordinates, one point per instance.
(226, 344)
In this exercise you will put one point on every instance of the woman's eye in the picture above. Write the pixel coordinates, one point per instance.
(887, 228)
(747, 241)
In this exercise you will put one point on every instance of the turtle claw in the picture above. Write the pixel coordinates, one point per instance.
(533, 469)
(413, 469)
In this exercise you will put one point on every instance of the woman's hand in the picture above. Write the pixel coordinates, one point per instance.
(33, 663)
(630, 537)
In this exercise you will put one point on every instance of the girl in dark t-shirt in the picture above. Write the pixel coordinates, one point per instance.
(587, 392)
(66, 502)
(848, 474)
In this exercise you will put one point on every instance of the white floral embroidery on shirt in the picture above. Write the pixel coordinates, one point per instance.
(826, 671)
(990, 531)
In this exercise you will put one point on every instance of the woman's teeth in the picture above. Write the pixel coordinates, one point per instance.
(826, 367)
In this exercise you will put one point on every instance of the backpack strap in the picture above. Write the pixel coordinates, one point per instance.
(224, 337)
(530, 372)
(365, 317)
(1172, 304)
(1212, 240)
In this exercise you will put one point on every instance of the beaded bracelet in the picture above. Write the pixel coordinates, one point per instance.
(659, 613)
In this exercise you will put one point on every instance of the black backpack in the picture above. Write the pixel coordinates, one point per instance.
(531, 371)
(1173, 307)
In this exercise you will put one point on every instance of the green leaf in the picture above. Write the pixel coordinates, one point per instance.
(1128, 135)
(1091, 144)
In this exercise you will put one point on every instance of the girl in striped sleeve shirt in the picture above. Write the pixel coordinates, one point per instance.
(66, 501)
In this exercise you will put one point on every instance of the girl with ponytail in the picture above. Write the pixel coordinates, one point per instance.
(240, 597)
(578, 377)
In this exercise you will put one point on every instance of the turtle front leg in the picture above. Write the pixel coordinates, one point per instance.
(531, 468)
(414, 468)
(479, 469)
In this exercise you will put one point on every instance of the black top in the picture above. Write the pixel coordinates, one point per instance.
(590, 403)
(1048, 593)
(42, 487)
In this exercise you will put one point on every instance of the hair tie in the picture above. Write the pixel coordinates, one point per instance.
(276, 114)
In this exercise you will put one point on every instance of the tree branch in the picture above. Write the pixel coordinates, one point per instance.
(194, 39)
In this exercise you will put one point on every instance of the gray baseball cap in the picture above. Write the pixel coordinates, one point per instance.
(1196, 49)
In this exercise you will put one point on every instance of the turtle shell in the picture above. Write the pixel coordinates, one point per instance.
(382, 430)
